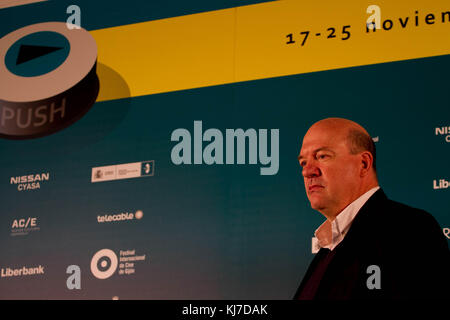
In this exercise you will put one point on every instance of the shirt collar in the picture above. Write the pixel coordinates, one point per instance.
(331, 233)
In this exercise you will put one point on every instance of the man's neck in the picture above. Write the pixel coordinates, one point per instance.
(332, 215)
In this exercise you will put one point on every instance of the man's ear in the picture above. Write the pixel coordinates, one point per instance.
(366, 163)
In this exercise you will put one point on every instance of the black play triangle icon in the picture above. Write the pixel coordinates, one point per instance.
(30, 52)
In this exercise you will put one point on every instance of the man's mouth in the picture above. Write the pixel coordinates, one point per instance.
(315, 187)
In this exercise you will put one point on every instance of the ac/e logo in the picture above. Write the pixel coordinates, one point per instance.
(24, 223)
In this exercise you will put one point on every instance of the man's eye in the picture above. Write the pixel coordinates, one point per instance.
(322, 156)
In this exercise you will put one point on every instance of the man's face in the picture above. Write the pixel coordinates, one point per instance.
(331, 174)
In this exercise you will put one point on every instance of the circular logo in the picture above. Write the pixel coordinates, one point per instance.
(139, 214)
(104, 264)
(37, 53)
(48, 79)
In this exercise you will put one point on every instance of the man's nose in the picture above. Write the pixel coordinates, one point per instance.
(310, 171)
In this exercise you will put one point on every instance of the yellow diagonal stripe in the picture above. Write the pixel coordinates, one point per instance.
(250, 42)
(14, 3)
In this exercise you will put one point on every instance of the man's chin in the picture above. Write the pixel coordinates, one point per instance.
(318, 208)
(316, 203)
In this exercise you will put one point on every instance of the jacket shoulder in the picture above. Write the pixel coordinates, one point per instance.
(392, 224)
(407, 219)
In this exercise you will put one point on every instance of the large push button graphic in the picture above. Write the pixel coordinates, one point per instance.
(48, 79)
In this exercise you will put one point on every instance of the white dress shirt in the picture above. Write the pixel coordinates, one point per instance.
(331, 233)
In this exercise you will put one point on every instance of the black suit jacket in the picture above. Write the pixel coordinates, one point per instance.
(408, 246)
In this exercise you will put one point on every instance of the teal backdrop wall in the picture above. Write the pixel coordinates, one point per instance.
(205, 231)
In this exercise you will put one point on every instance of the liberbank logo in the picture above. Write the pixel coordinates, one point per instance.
(48, 79)
(440, 184)
(20, 272)
(29, 182)
(443, 131)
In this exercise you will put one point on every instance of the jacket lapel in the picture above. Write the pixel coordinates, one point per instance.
(345, 270)
(318, 256)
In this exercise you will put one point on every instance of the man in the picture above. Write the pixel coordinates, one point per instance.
(370, 246)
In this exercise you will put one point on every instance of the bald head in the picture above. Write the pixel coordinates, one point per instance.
(337, 157)
(357, 138)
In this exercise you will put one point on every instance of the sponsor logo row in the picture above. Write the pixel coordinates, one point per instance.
(104, 264)
(35, 181)
(27, 225)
